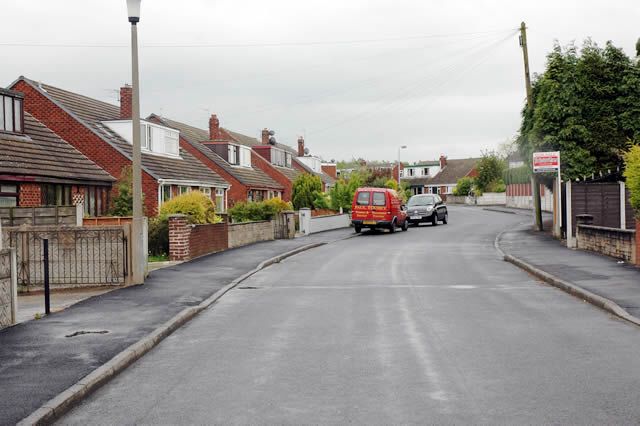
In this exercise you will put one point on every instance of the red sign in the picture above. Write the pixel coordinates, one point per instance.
(546, 162)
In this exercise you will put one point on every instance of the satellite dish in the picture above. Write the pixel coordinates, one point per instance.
(272, 132)
(306, 151)
(272, 140)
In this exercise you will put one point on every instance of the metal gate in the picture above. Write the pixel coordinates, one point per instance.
(96, 256)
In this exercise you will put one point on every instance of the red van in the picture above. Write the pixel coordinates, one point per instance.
(379, 208)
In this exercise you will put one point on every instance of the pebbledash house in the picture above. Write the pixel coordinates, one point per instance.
(102, 132)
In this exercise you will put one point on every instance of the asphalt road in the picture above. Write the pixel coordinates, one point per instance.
(424, 326)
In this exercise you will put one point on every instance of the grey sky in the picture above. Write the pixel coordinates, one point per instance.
(456, 94)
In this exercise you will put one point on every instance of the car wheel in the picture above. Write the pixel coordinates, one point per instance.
(434, 219)
(392, 227)
(445, 219)
(358, 229)
(405, 225)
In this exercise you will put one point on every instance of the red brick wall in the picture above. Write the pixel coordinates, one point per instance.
(332, 170)
(85, 141)
(30, 195)
(259, 162)
(188, 241)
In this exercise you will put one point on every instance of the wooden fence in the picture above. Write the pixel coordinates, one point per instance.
(52, 215)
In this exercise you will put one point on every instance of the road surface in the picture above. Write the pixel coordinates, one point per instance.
(424, 326)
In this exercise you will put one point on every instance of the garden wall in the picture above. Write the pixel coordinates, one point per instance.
(614, 242)
(241, 234)
(8, 288)
(312, 224)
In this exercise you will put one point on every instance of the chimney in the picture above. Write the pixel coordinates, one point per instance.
(300, 146)
(443, 161)
(214, 127)
(126, 97)
(265, 136)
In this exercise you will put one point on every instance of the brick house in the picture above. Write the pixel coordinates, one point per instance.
(236, 163)
(38, 168)
(103, 133)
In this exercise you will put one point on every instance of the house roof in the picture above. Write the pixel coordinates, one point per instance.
(454, 170)
(423, 164)
(91, 112)
(249, 176)
(41, 153)
(291, 174)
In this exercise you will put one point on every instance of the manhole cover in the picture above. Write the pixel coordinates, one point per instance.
(82, 332)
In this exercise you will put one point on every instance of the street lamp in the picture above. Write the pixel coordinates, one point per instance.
(399, 148)
(137, 249)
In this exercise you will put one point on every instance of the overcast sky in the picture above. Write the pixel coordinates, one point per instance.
(358, 78)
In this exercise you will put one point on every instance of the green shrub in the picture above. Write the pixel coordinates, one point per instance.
(490, 169)
(251, 211)
(305, 189)
(463, 186)
(322, 201)
(632, 174)
(158, 236)
(520, 174)
(195, 205)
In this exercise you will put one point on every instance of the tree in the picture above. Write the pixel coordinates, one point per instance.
(586, 105)
(305, 190)
(343, 191)
(490, 170)
(122, 204)
(632, 174)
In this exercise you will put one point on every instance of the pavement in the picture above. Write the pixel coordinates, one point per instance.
(601, 275)
(31, 305)
(40, 359)
(425, 326)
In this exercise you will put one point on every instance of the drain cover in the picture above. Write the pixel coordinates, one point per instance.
(249, 288)
(81, 332)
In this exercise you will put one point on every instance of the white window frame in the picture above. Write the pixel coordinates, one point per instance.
(220, 207)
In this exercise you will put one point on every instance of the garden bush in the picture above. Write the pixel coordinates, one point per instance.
(195, 205)
(463, 187)
(632, 174)
(251, 211)
(159, 237)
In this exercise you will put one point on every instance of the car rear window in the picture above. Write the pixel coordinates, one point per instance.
(379, 199)
(363, 198)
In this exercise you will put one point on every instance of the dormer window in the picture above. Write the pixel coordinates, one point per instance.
(239, 155)
(280, 157)
(154, 138)
(11, 114)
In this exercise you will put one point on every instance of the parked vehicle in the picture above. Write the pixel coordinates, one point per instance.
(378, 208)
(427, 208)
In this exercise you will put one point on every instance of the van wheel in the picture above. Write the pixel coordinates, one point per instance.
(358, 229)
(445, 219)
(405, 225)
(392, 227)
(434, 219)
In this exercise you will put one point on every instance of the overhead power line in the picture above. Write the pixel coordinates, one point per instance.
(253, 44)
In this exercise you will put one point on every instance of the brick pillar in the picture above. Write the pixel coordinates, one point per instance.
(179, 233)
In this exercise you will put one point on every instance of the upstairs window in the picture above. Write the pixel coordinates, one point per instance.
(245, 156)
(425, 171)
(11, 116)
(280, 157)
(232, 156)
(411, 172)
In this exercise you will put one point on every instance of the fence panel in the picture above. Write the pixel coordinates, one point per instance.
(601, 200)
(36, 216)
(629, 212)
(77, 256)
(7, 290)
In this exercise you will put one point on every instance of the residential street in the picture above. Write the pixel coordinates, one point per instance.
(425, 326)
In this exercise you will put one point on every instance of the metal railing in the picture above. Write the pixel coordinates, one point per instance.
(77, 256)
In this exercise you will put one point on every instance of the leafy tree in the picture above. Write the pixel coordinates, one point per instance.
(463, 186)
(342, 193)
(490, 169)
(122, 204)
(322, 201)
(586, 105)
(632, 174)
(306, 188)
(391, 184)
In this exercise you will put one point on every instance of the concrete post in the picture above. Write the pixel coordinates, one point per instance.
(571, 242)
(305, 221)
(79, 214)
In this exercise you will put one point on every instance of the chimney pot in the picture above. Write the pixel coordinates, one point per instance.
(300, 146)
(126, 101)
(443, 161)
(265, 136)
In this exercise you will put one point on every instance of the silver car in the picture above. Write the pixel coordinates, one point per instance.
(426, 208)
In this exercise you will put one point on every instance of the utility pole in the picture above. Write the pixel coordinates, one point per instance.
(527, 79)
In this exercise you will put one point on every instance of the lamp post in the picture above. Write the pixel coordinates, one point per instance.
(137, 249)
(399, 148)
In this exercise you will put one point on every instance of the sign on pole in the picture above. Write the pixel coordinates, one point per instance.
(546, 162)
